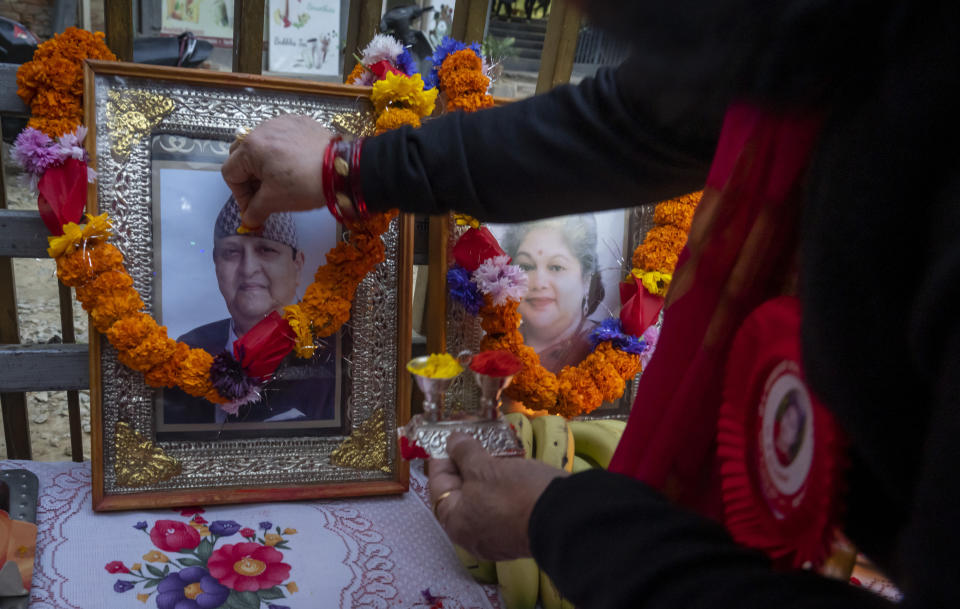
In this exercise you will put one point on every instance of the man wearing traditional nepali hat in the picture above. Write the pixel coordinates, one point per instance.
(258, 273)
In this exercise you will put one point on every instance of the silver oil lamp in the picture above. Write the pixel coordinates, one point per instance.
(426, 434)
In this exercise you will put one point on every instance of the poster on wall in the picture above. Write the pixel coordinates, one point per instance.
(305, 37)
(209, 19)
(438, 22)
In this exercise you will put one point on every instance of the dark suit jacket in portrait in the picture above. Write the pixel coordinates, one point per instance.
(307, 386)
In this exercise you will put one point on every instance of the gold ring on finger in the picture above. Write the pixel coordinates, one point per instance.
(436, 504)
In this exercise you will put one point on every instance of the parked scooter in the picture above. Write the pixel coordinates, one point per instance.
(17, 43)
(398, 23)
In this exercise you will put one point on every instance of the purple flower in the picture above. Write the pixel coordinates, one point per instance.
(406, 64)
(501, 280)
(266, 525)
(123, 585)
(272, 606)
(35, 152)
(172, 593)
(463, 290)
(229, 379)
(610, 330)
(446, 47)
(224, 528)
(142, 525)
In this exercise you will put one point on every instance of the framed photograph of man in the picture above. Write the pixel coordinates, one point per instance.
(217, 284)
(574, 265)
(321, 426)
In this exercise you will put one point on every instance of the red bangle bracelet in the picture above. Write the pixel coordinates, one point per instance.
(327, 176)
(341, 180)
(359, 204)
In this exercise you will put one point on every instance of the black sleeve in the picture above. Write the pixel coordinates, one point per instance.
(609, 541)
(606, 143)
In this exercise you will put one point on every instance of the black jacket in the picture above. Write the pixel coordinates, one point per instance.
(880, 269)
(308, 386)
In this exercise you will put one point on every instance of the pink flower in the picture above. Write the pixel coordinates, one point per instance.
(189, 511)
(248, 532)
(199, 519)
(248, 567)
(71, 145)
(115, 566)
(650, 337)
(174, 536)
(500, 280)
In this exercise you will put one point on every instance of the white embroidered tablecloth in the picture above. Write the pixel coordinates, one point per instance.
(374, 552)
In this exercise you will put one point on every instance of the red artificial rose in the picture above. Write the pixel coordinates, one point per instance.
(475, 247)
(262, 349)
(411, 450)
(115, 566)
(248, 567)
(382, 68)
(174, 536)
(640, 308)
(248, 532)
(63, 194)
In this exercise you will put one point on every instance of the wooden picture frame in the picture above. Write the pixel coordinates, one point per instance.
(135, 112)
(614, 246)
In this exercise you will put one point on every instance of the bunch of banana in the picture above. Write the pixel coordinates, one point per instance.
(596, 440)
(572, 446)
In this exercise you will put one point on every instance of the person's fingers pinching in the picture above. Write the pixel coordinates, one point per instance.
(277, 167)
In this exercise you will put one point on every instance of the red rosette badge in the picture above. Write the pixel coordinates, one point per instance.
(780, 450)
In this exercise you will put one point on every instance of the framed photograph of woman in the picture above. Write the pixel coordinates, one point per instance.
(574, 265)
(322, 425)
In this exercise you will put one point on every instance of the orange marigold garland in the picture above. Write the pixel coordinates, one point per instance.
(52, 85)
(656, 258)
(462, 80)
(459, 72)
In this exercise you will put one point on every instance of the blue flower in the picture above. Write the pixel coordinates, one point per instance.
(446, 47)
(266, 525)
(610, 330)
(142, 525)
(463, 289)
(172, 593)
(224, 528)
(123, 585)
(406, 63)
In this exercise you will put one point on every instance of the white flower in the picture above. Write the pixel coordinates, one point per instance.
(382, 47)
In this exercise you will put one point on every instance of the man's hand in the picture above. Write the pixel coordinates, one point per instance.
(490, 500)
(277, 167)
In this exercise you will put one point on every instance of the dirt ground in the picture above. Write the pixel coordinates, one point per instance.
(39, 318)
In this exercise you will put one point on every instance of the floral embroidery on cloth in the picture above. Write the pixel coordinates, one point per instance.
(189, 568)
